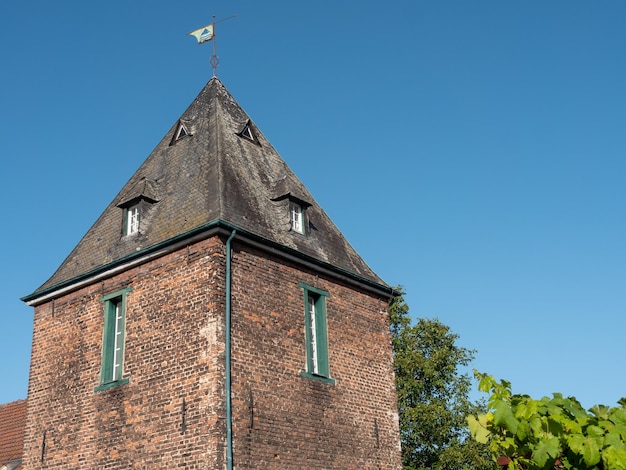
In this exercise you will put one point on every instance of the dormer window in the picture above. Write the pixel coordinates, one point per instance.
(136, 204)
(181, 131)
(293, 210)
(296, 216)
(132, 219)
(248, 133)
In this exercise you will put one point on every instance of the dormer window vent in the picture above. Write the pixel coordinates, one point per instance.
(248, 133)
(181, 132)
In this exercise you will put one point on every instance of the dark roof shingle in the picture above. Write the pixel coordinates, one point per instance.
(213, 173)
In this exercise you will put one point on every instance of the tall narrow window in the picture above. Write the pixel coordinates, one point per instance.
(296, 215)
(316, 334)
(132, 220)
(111, 373)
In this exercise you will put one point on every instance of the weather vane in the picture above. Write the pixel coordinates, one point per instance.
(207, 33)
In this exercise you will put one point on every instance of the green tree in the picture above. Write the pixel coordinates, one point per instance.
(433, 395)
(551, 433)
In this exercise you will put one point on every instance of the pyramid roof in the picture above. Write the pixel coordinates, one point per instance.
(213, 168)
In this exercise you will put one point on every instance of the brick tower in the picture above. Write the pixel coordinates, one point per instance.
(213, 317)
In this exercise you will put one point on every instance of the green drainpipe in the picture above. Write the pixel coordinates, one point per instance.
(229, 412)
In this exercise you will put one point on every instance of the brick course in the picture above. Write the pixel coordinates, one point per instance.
(173, 352)
(284, 420)
(171, 414)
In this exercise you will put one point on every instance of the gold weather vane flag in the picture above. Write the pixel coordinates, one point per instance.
(203, 34)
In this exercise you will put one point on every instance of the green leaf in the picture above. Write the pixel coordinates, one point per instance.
(576, 443)
(486, 382)
(574, 407)
(620, 429)
(618, 416)
(601, 411)
(503, 415)
(477, 430)
(595, 431)
(583, 421)
(545, 450)
(573, 426)
(557, 424)
(523, 430)
(526, 408)
(591, 452)
(536, 425)
(614, 459)
(613, 440)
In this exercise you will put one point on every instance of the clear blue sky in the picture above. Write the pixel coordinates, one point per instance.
(472, 151)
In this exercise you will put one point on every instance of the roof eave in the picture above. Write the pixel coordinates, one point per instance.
(209, 229)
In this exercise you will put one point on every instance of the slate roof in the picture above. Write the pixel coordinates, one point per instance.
(223, 169)
(12, 427)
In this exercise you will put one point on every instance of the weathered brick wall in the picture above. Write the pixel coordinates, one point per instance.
(285, 421)
(174, 350)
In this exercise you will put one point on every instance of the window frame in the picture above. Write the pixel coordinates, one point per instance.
(248, 134)
(113, 340)
(181, 133)
(316, 334)
(132, 219)
(296, 217)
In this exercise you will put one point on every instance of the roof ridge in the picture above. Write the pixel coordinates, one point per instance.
(220, 178)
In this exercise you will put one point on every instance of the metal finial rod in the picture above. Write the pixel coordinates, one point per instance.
(214, 61)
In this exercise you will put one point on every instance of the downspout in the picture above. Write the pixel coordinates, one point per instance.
(229, 412)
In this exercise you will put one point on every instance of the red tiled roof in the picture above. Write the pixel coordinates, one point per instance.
(12, 427)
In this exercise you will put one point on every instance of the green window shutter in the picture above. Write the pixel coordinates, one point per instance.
(107, 346)
(322, 337)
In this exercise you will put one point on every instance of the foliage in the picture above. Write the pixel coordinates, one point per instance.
(433, 395)
(551, 433)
